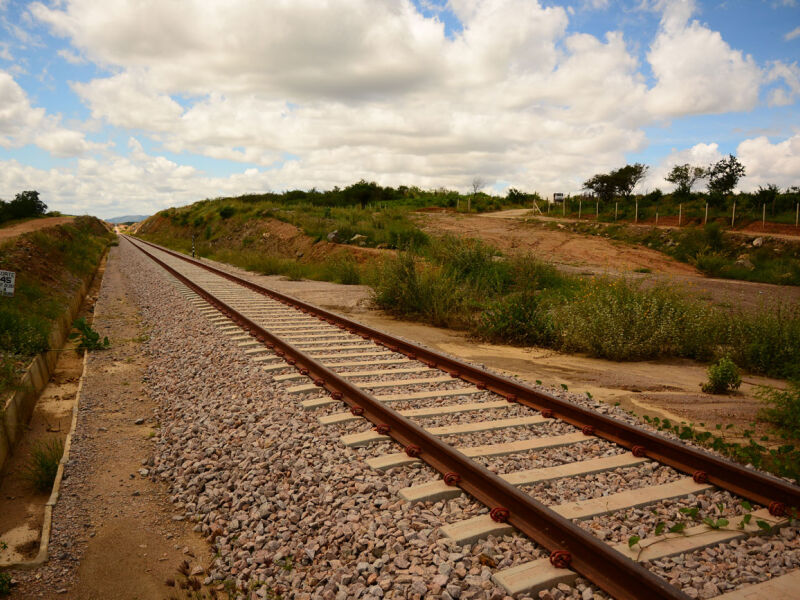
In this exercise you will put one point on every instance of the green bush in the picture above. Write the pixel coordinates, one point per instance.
(88, 338)
(226, 212)
(768, 341)
(520, 318)
(5, 583)
(722, 376)
(783, 408)
(43, 464)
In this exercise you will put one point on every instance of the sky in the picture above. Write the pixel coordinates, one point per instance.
(128, 107)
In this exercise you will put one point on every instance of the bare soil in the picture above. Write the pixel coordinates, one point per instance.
(11, 231)
(576, 253)
(114, 535)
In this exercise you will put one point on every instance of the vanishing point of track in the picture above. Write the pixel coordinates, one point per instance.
(277, 329)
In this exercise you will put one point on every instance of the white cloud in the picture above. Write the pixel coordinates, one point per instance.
(767, 163)
(699, 155)
(790, 76)
(697, 72)
(792, 34)
(21, 123)
(372, 89)
(71, 57)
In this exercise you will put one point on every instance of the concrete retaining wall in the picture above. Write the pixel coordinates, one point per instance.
(19, 407)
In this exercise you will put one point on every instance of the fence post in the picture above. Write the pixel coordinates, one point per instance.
(705, 220)
(636, 216)
(564, 207)
(763, 216)
(680, 214)
(797, 215)
(733, 214)
(580, 208)
(656, 218)
(597, 211)
(548, 206)
(616, 206)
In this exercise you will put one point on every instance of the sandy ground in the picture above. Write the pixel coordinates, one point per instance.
(115, 535)
(668, 389)
(7, 233)
(577, 253)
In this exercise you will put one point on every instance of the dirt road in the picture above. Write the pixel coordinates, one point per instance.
(6, 233)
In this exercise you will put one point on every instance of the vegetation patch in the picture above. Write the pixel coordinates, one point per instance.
(50, 265)
(43, 464)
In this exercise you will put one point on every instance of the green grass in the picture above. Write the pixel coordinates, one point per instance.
(49, 264)
(40, 471)
(782, 409)
(519, 300)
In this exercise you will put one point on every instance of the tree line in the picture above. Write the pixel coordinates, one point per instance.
(24, 205)
(721, 177)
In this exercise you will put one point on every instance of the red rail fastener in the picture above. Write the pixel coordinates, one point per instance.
(547, 413)
(480, 386)
(413, 451)
(412, 356)
(451, 478)
(336, 395)
(560, 559)
(280, 352)
(357, 410)
(303, 371)
(499, 514)
(588, 430)
(382, 429)
(700, 477)
(511, 398)
(291, 361)
(270, 345)
(455, 374)
(777, 509)
(639, 451)
(319, 382)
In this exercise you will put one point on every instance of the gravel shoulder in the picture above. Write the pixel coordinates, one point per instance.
(113, 530)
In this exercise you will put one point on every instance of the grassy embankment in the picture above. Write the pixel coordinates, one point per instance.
(710, 249)
(50, 264)
(227, 229)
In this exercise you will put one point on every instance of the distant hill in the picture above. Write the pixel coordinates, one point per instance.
(128, 219)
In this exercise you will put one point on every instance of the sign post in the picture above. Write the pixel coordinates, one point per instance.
(7, 279)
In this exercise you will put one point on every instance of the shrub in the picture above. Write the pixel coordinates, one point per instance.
(722, 376)
(43, 464)
(520, 318)
(227, 212)
(89, 338)
(783, 408)
(768, 341)
(5, 583)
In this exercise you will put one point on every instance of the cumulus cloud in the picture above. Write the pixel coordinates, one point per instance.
(21, 123)
(766, 163)
(697, 72)
(324, 93)
(792, 34)
(699, 155)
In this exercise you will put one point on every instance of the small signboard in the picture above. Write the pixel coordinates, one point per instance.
(7, 279)
(558, 197)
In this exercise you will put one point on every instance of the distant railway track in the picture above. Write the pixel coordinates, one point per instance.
(337, 362)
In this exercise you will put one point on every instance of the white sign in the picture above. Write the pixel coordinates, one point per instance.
(7, 283)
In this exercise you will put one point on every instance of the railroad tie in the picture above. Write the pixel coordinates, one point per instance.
(470, 530)
(534, 576)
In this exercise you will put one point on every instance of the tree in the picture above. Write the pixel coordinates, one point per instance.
(603, 185)
(724, 175)
(768, 195)
(477, 185)
(684, 177)
(628, 177)
(25, 204)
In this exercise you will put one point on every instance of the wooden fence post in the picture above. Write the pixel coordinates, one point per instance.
(580, 208)
(705, 220)
(733, 214)
(763, 216)
(616, 207)
(636, 216)
(680, 214)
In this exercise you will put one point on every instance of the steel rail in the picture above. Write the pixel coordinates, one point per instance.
(776, 494)
(615, 573)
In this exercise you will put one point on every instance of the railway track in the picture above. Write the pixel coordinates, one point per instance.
(378, 388)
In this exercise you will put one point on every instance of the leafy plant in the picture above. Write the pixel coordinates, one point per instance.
(722, 376)
(89, 338)
(43, 464)
(783, 408)
(5, 583)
